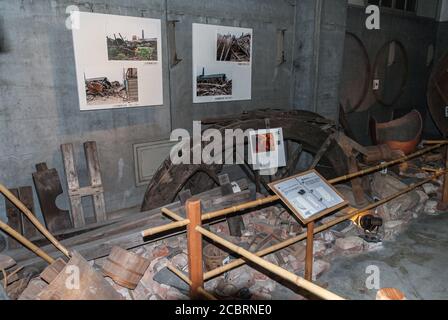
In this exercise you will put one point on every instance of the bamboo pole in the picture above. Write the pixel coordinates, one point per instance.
(183, 277)
(282, 245)
(33, 220)
(387, 164)
(285, 274)
(166, 227)
(172, 214)
(271, 199)
(25, 242)
(194, 246)
(433, 142)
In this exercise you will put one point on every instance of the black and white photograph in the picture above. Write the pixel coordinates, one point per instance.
(233, 47)
(218, 84)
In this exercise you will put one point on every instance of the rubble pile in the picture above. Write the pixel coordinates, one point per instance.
(101, 88)
(270, 226)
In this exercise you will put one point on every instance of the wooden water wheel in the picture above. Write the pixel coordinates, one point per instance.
(305, 133)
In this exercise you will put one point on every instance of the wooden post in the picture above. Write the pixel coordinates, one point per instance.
(444, 204)
(93, 164)
(73, 185)
(194, 243)
(309, 258)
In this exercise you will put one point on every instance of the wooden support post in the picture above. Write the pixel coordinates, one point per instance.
(309, 258)
(444, 204)
(194, 243)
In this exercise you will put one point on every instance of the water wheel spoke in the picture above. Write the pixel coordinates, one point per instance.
(321, 151)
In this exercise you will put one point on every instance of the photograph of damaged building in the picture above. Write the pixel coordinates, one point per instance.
(94, 207)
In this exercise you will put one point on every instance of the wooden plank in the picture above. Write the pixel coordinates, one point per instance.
(26, 196)
(14, 220)
(309, 255)
(48, 188)
(93, 165)
(73, 185)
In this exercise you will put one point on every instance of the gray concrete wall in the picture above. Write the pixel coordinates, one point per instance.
(416, 34)
(319, 47)
(39, 108)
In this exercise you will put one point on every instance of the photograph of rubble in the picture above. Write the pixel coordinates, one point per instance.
(119, 47)
(118, 61)
(222, 64)
(105, 90)
(233, 47)
(219, 84)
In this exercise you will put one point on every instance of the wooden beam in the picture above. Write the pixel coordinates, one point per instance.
(194, 244)
(309, 257)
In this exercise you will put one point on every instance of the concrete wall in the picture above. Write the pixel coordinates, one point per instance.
(39, 104)
(416, 34)
(319, 47)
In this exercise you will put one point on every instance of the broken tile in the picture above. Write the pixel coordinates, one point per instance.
(431, 207)
(350, 243)
(319, 267)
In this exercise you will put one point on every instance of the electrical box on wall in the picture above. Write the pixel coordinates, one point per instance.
(376, 84)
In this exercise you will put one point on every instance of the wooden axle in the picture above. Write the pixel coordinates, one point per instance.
(33, 220)
(282, 245)
(285, 274)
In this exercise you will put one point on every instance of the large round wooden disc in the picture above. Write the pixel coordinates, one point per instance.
(391, 69)
(438, 95)
(355, 76)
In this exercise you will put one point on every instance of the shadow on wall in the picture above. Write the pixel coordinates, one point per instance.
(3, 41)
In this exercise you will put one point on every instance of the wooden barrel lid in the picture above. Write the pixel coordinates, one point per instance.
(438, 95)
(355, 78)
(391, 68)
(390, 294)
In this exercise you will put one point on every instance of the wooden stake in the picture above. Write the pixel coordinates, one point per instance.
(309, 258)
(25, 242)
(285, 274)
(33, 220)
(194, 244)
(444, 204)
(182, 276)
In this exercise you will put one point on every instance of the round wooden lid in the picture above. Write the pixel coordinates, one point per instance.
(390, 294)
